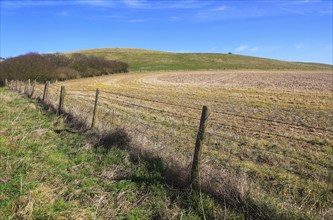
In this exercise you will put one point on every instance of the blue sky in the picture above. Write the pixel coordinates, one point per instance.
(288, 30)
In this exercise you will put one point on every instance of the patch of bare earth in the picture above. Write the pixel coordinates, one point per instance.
(309, 80)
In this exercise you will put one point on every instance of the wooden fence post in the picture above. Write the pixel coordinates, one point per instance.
(22, 85)
(25, 88)
(45, 90)
(61, 100)
(33, 89)
(6, 82)
(95, 109)
(28, 90)
(198, 144)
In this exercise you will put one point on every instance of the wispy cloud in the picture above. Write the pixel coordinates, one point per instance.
(27, 3)
(189, 4)
(294, 11)
(241, 48)
(135, 3)
(254, 49)
(213, 49)
(220, 8)
(299, 2)
(102, 3)
(39, 3)
(247, 48)
(136, 21)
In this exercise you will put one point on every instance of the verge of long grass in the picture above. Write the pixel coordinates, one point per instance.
(50, 169)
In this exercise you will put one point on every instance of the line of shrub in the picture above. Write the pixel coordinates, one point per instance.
(57, 67)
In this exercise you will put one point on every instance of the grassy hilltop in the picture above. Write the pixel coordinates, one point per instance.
(151, 60)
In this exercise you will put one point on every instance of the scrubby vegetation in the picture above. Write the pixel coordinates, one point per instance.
(57, 67)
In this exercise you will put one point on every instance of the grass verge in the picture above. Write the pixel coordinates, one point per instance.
(50, 170)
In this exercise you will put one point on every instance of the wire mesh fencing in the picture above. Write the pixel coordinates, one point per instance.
(268, 151)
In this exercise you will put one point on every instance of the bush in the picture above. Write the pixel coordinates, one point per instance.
(51, 67)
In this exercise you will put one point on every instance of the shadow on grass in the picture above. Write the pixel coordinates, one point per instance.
(222, 188)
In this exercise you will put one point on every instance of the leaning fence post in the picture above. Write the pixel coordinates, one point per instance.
(45, 90)
(95, 109)
(61, 100)
(198, 144)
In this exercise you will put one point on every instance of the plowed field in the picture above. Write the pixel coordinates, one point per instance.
(274, 126)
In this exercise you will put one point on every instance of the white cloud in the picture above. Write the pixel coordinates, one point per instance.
(135, 3)
(213, 49)
(295, 11)
(221, 8)
(299, 2)
(136, 21)
(254, 49)
(247, 48)
(241, 48)
(98, 3)
(20, 4)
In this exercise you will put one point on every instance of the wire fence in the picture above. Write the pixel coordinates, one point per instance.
(169, 130)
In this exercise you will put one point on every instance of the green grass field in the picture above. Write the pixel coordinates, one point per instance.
(150, 60)
(49, 170)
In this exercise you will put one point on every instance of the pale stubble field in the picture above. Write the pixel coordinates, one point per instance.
(272, 127)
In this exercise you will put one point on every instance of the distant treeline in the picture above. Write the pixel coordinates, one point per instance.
(53, 67)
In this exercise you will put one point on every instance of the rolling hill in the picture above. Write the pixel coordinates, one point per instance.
(151, 60)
